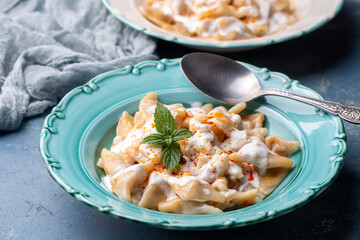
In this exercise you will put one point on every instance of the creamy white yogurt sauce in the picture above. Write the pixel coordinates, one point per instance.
(206, 159)
(256, 153)
(221, 165)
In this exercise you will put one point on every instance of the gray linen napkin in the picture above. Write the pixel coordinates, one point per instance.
(48, 47)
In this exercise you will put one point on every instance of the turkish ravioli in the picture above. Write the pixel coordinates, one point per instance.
(229, 162)
(223, 20)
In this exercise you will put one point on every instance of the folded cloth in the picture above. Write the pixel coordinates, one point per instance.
(48, 47)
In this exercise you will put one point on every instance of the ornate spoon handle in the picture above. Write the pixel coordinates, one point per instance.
(348, 113)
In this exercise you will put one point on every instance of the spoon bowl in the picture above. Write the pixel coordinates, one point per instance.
(220, 78)
(227, 81)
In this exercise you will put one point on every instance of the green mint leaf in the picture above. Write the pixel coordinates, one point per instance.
(164, 121)
(171, 155)
(181, 134)
(167, 137)
(155, 138)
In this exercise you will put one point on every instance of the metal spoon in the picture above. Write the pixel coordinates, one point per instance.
(225, 80)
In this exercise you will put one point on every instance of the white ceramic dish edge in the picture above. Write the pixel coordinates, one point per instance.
(312, 14)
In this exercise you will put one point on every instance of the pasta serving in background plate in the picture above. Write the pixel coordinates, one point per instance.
(228, 163)
(221, 19)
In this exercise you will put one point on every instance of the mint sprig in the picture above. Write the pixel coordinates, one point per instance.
(167, 136)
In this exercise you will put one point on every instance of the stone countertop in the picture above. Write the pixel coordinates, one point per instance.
(33, 206)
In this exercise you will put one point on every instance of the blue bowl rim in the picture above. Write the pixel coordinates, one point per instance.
(336, 159)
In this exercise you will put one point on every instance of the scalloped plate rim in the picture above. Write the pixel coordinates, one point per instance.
(83, 197)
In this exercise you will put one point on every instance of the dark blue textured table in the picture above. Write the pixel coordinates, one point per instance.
(33, 206)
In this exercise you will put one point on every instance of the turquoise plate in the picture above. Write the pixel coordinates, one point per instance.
(85, 119)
